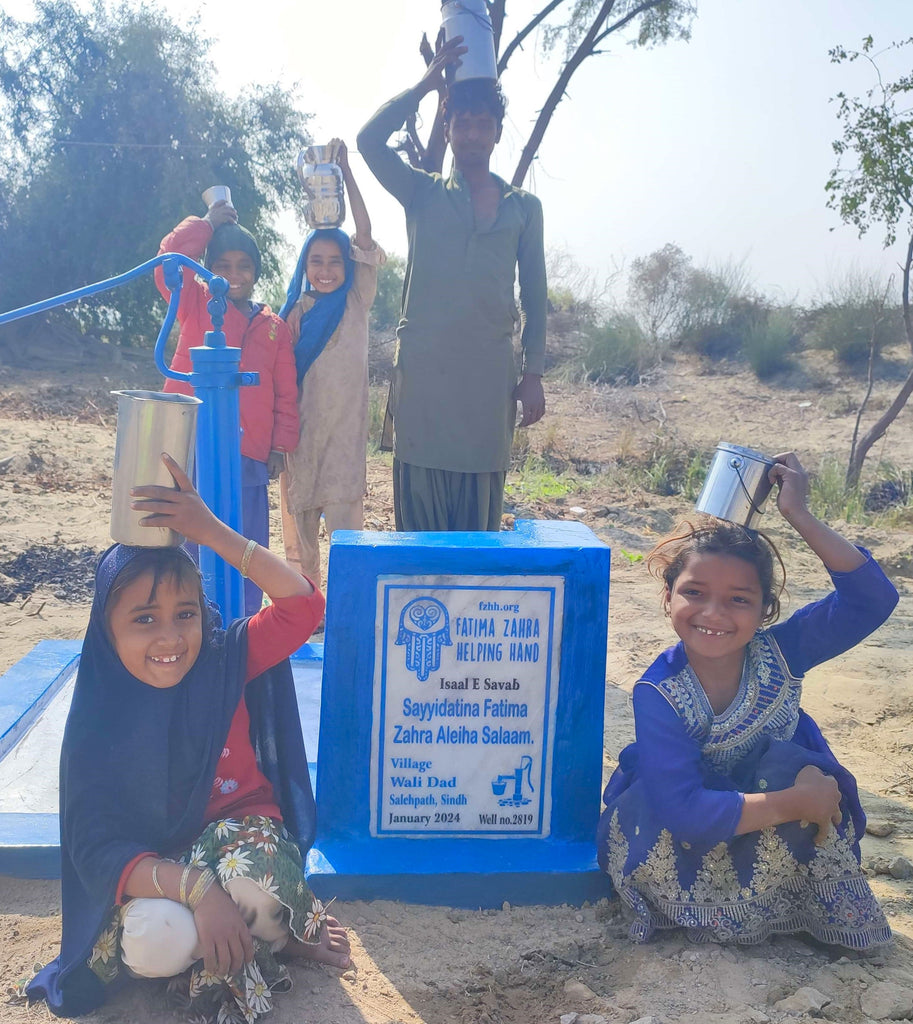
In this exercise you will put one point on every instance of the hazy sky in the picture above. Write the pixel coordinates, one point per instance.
(721, 144)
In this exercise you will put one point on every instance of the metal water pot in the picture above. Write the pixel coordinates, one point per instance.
(471, 20)
(736, 486)
(149, 423)
(322, 180)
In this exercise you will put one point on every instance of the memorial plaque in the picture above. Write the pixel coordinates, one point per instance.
(461, 717)
(465, 697)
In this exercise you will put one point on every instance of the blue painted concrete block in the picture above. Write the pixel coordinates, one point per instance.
(462, 716)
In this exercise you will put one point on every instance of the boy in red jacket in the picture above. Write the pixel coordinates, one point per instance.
(269, 411)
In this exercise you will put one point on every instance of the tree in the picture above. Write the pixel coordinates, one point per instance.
(110, 128)
(385, 310)
(877, 189)
(657, 290)
(577, 29)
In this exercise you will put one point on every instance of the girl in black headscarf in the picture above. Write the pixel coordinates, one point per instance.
(185, 810)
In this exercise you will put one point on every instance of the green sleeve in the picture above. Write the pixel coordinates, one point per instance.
(533, 288)
(397, 177)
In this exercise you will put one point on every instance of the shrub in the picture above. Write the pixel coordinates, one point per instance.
(673, 470)
(537, 482)
(574, 290)
(657, 288)
(770, 342)
(853, 312)
(829, 497)
(720, 322)
(847, 330)
(616, 351)
(893, 488)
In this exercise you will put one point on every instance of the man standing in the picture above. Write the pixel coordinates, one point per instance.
(455, 384)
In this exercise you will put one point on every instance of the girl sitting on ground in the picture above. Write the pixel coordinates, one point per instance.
(185, 801)
(730, 816)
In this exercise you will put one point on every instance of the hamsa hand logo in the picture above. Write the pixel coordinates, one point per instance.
(424, 628)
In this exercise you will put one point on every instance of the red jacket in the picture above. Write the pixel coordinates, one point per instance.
(269, 411)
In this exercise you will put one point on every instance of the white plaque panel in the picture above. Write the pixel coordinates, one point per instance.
(465, 691)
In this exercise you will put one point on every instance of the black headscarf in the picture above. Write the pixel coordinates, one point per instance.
(232, 237)
(137, 767)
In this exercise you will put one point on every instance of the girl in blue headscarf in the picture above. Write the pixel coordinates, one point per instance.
(327, 307)
(185, 802)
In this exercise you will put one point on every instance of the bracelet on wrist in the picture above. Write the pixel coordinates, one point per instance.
(203, 885)
(155, 879)
(182, 889)
(245, 558)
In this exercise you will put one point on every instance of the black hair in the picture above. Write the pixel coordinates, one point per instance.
(473, 96)
(164, 564)
(709, 536)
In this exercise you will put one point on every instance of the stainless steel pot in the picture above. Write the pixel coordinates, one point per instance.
(736, 486)
(322, 180)
(471, 20)
(149, 423)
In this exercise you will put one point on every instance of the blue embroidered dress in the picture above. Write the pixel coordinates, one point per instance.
(667, 835)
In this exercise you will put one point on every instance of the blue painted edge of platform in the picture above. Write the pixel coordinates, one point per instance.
(505, 870)
(30, 685)
(30, 843)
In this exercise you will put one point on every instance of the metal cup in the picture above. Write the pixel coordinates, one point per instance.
(149, 423)
(216, 192)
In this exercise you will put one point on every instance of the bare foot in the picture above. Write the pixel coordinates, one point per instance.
(333, 948)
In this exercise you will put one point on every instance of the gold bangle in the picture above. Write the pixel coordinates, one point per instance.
(198, 885)
(203, 885)
(182, 893)
(155, 880)
(245, 558)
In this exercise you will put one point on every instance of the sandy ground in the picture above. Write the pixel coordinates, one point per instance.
(524, 964)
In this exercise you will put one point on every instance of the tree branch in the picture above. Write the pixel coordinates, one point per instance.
(877, 431)
(496, 13)
(905, 294)
(645, 6)
(854, 466)
(524, 32)
(557, 94)
(433, 161)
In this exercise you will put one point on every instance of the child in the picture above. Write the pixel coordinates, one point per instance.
(177, 861)
(729, 816)
(269, 417)
(328, 319)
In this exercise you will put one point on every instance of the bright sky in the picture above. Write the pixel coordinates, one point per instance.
(721, 144)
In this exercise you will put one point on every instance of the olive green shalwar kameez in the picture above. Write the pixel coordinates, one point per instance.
(454, 370)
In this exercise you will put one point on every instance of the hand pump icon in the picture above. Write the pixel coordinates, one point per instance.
(516, 799)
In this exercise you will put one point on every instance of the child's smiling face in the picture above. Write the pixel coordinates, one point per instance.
(157, 631)
(239, 271)
(325, 268)
(716, 605)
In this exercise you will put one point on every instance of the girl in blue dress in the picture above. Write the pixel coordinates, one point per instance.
(729, 815)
